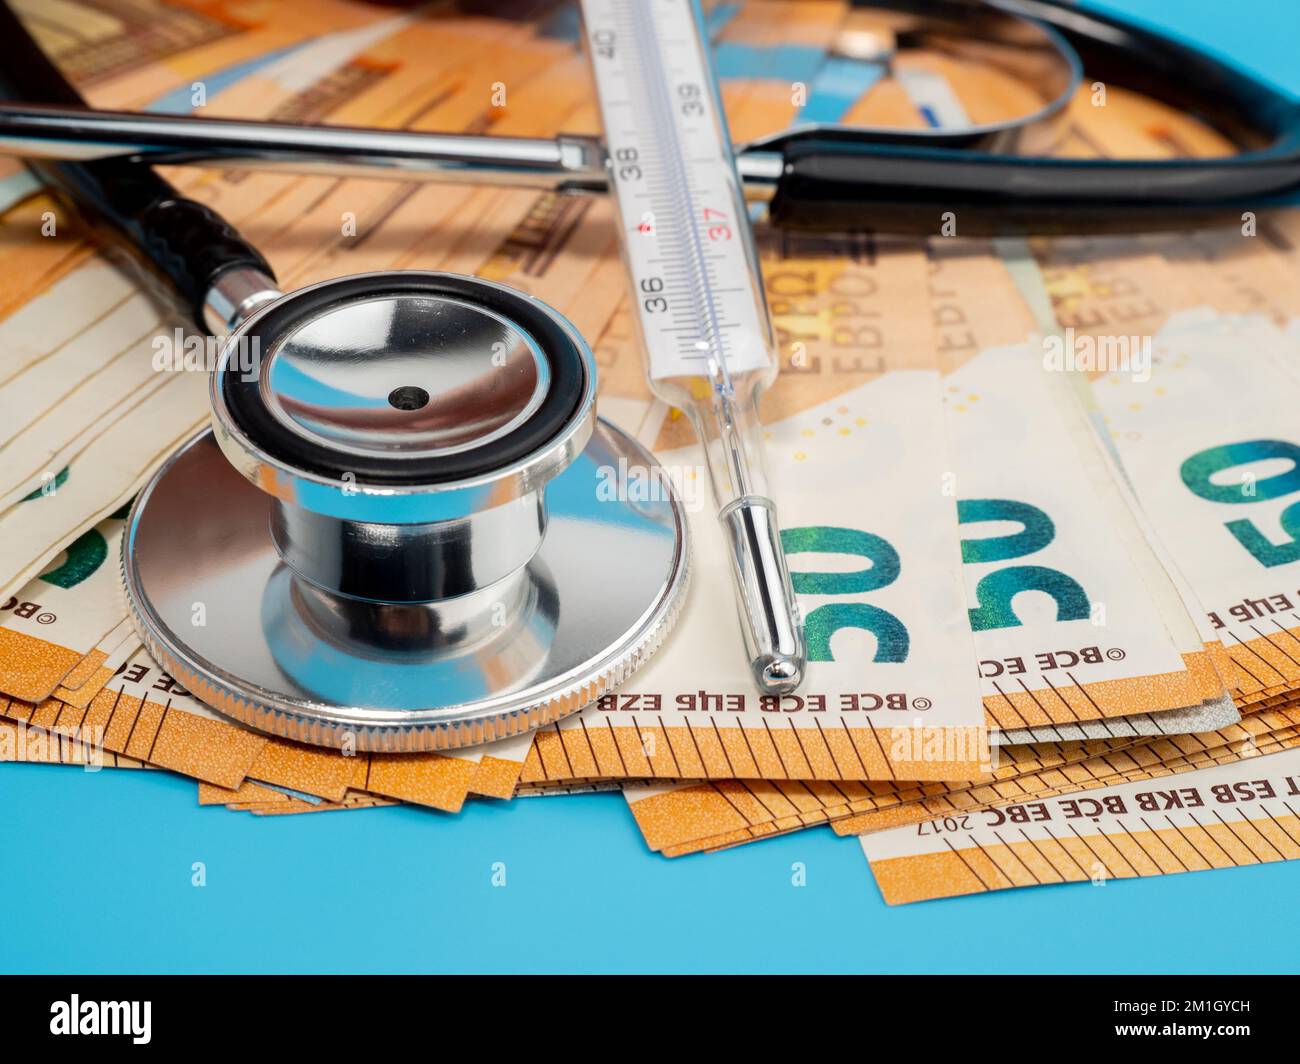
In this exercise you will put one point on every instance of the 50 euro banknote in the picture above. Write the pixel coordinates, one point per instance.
(1210, 449)
(1245, 811)
(1073, 617)
(1215, 385)
(62, 627)
(856, 456)
(144, 714)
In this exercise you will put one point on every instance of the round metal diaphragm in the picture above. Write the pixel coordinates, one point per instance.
(406, 382)
(214, 603)
(408, 376)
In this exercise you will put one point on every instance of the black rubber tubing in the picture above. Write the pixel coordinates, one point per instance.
(188, 244)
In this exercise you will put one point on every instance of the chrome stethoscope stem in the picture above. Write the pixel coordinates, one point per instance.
(564, 164)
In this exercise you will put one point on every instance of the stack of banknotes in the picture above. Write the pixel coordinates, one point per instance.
(1042, 499)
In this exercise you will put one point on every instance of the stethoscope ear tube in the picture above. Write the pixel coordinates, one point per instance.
(189, 244)
(833, 185)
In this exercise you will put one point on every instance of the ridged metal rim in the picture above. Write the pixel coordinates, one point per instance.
(618, 664)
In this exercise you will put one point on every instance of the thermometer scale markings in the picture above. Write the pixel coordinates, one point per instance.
(678, 196)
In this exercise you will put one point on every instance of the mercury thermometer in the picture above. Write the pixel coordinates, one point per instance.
(695, 280)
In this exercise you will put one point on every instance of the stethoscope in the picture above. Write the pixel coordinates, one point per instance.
(403, 530)
(819, 174)
(392, 551)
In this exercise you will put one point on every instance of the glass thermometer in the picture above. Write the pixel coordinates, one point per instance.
(695, 280)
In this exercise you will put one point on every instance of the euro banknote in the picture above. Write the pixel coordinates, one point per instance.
(890, 690)
(143, 713)
(1241, 812)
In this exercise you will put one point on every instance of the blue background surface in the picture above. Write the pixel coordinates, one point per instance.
(96, 868)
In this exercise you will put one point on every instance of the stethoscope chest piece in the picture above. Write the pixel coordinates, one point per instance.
(406, 529)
